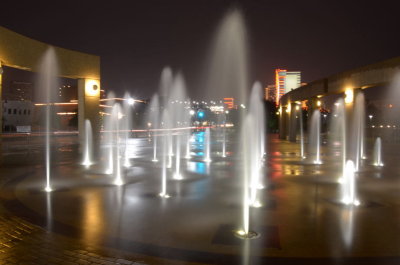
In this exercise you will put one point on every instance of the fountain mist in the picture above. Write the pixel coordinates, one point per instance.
(358, 130)
(88, 145)
(154, 119)
(315, 135)
(348, 185)
(47, 83)
(378, 152)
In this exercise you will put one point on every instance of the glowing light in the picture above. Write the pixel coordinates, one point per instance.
(319, 103)
(191, 112)
(297, 107)
(256, 204)
(66, 113)
(131, 101)
(349, 96)
(241, 232)
(92, 87)
(48, 189)
(118, 182)
(164, 195)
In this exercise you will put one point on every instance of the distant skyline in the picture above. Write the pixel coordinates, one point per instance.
(137, 39)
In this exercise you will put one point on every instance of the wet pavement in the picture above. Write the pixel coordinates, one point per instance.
(87, 219)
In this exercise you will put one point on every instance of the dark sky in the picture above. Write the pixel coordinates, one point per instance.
(137, 38)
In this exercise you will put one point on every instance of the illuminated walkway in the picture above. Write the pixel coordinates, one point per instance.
(300, 221)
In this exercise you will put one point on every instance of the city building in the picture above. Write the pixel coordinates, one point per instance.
(270, 93)
(17, 114)
(286, 81)
(19, 91)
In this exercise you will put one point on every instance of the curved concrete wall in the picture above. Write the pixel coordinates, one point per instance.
(25, 53)
(366, 76)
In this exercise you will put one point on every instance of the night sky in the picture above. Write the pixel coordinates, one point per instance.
(136, 39)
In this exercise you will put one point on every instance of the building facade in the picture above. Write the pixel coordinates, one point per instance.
(286, 81)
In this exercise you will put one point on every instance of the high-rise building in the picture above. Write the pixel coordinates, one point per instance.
(286, 81)
(270, 93)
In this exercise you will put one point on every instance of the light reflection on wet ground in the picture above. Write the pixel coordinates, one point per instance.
(300, 206)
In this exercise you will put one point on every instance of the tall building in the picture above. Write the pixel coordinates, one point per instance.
(270, 93)
(286, 81)
(18, 91)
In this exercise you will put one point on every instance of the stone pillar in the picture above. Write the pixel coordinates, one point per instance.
(88, 109)
(293, 122)
(283, 122)
(312, 106)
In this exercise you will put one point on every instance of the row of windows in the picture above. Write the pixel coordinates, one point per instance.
(19, 112)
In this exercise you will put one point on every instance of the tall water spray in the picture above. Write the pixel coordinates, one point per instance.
(107, 151)
(116, 117)
(164, 153)
(358, 130)
(337, 132)
(256, 119)
(378, 152)
(300, 115)
(126, 127)
(348, 185)
(88, 145)
(188, 136)
(178, 119)
(315, 136)
(47, 83)
(154, 119)
(224, 135)
(207, 153)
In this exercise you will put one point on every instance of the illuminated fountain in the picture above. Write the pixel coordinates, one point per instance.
(378, 153)
(88, 145)
(107, 150)
(163, 193)
(257, 143)
(179, 118)
(300, 115)
(358, 130)
(338, 132)
(224, 136)
(207, 153)
(154, 118)
(116, 116)
(126, 128)
(315, 137)
(348, 185)
(48, 81)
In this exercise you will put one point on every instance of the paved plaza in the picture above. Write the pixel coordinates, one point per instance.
(87, 220)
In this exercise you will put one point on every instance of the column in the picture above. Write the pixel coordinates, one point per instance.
(88, 109)
(292, 122)
(283, 120)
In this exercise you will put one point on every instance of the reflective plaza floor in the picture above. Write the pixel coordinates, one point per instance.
(300, 221)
